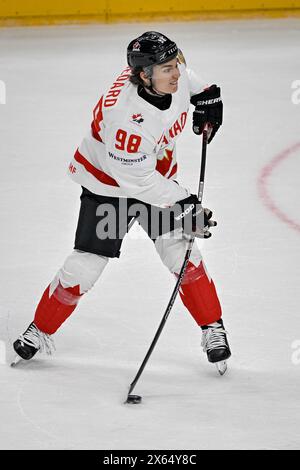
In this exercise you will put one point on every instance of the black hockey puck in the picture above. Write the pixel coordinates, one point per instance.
(134, 399)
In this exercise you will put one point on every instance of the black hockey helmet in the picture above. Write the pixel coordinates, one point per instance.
(151, 48)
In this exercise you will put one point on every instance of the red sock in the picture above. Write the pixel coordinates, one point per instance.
(54, 309)
(198, 293)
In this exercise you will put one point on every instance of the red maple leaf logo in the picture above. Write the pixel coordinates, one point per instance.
(137, 118)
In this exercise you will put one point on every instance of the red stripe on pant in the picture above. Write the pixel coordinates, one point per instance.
(199, 295)
(53, 310)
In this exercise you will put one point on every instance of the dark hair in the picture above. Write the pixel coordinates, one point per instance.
(135, 77)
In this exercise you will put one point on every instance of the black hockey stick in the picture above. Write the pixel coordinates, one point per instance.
(137, 398)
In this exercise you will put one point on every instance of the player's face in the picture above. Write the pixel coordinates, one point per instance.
(165, 77)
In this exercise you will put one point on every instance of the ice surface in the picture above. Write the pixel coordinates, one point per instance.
(54, 77)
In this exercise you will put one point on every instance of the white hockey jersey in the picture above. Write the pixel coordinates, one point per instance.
(130, 149)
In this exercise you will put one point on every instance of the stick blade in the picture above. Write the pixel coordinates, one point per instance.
(133, 399)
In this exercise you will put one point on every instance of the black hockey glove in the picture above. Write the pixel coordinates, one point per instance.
(193, 218)
(208, 109)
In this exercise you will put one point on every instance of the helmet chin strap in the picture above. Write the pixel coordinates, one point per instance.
(150, 89)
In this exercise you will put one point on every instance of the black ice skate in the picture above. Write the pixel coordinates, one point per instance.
(215, 344)
(30, 342)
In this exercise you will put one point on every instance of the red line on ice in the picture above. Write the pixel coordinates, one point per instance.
(263, 185)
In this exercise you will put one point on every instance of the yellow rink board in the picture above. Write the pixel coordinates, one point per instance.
(57, 11)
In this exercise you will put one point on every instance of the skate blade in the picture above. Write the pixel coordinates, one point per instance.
(16, 361)
(221, 367)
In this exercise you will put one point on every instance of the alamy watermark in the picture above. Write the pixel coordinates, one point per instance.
(295, 358)
(296, 93)
(115, 219)
(2, 92)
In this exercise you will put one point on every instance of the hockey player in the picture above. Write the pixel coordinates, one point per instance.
(129, 157)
